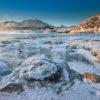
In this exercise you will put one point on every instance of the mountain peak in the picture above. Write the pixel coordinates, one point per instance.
(28, 24)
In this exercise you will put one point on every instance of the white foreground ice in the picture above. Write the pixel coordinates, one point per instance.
(49, 67)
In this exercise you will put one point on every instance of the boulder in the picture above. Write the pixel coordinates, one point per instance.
(74, 46)
(87, 48)
(90, 77)
(98, 56)
(12, 87)
(94, 51)
(39, 71)
(36, 67)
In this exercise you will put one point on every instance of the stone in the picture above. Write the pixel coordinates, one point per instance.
(12, 87)
(36, 67)
(98, 56)
(90, 77)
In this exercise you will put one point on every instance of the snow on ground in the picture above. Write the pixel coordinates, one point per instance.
(4, 69)
(49, 67)
(80, 67)
(82, 91)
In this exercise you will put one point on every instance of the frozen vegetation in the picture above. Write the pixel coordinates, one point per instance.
(50, 67)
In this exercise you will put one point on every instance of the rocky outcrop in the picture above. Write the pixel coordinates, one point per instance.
(91, 25)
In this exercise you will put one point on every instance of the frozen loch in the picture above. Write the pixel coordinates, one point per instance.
(49, 66)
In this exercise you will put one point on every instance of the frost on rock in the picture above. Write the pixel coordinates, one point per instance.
(42, 70)
(37, 67)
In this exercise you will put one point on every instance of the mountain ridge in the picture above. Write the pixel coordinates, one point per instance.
(25, 25)
(90, 25)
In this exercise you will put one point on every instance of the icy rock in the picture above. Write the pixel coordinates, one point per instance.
(36, 67)
(4, 69)
(98, 56)
(43, 70)
(73, 45)
(90, 77)
(58, 55)
(94, 52)
(78, 57)
(12, 87)
(87, 47)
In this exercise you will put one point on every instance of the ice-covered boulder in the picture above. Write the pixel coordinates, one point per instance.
(4, 69)
(37, 67)
(42, 70)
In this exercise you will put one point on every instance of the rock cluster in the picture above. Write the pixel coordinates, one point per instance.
(39, 68)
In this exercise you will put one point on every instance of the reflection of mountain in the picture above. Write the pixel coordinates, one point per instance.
(29, 25)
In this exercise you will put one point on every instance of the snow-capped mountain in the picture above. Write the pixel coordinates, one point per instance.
(29, 24)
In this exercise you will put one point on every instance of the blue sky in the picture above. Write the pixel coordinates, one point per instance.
(56, 12)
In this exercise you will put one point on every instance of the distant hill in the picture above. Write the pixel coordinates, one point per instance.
(26, 25)
(90, 25)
